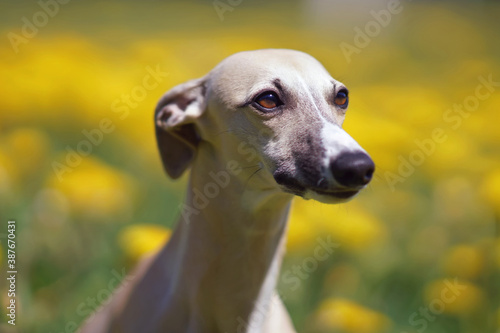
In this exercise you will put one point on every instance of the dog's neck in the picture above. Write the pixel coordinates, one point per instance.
(231, 236)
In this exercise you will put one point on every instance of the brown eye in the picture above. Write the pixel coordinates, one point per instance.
(341, 99)
(268, 100)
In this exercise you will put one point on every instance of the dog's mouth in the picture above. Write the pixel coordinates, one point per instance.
(330, 196)
(293, 186)
(325, 196)
(340, 194)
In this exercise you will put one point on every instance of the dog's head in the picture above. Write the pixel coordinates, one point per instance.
(278, 108)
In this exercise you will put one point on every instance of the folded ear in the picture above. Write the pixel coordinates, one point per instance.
(176, 134)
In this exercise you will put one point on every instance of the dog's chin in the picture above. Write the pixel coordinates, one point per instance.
(330, 197)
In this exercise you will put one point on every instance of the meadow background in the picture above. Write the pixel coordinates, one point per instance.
(429, 219)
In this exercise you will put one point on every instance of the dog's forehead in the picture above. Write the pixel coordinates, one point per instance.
(270, 57)
(246, 69)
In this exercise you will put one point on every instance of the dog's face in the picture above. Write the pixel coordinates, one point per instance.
(286, 106)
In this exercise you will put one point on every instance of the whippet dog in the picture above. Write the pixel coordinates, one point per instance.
(260, 128)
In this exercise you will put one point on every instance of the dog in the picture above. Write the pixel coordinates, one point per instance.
(260, 128)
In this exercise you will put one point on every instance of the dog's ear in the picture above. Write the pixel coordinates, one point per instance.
(176, 133)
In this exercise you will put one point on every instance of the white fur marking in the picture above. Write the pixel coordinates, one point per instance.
(335, 139)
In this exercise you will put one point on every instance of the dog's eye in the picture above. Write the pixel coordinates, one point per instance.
(341, 99)
(268, 100)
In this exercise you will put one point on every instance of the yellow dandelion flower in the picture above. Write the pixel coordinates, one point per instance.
(490, 190)
(142, 240)
(348, 316)
(28, 149)
(488, 131)
(464, 261)
(95, 189)
(353, 227)
(453, 296)
(456, 150)
(349, 224)
(364, 127)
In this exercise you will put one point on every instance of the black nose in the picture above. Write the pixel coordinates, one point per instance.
(353, 169)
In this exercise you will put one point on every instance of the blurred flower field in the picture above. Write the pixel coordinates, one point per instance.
(418, 250)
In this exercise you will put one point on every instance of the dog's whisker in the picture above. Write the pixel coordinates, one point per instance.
(320, 181)
(253, 174)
